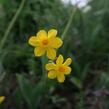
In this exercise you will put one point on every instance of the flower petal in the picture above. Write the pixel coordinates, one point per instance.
(1, 99)
(42, 34)
(52, 33)
(68, 62)
(52, 74)
(33, 41)
(51, 53)
(39, 51)
(59, 60)
(56, 42)
(50, 66)
(61, 78)
(67, 70)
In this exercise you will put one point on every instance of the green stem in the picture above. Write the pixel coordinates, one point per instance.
(3, 41)
(69, 23)
(42, 83)
(44, 60)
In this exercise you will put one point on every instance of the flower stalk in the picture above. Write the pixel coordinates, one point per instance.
(69, 23)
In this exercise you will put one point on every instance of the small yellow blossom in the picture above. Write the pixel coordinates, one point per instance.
(1, 99)
(59, 69)
(46, 43)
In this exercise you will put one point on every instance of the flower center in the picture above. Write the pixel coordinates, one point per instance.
(45, 42)
(61, 69)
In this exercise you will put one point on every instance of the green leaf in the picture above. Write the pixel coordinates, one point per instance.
(38, 93)
(32, 94)
(25, 88)
(85, 71)
(77, 82)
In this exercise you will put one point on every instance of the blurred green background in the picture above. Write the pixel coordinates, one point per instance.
(87, 43)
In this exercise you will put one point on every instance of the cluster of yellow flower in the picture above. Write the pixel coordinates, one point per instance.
(1, 99)
(47, 43)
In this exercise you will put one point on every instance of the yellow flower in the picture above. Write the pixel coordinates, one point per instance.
(59, 69)
(46, 43)
(1, 99)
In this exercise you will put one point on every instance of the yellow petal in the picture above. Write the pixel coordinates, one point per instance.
(39, 51)
(61, 78)
(51, 53)
(52, 33)
(67, 70)
(52, 74)
(42, 34)
(1, 99)
(50, 66)
(56, 42)
(33, 41)
(59, 60)
(68, 62)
